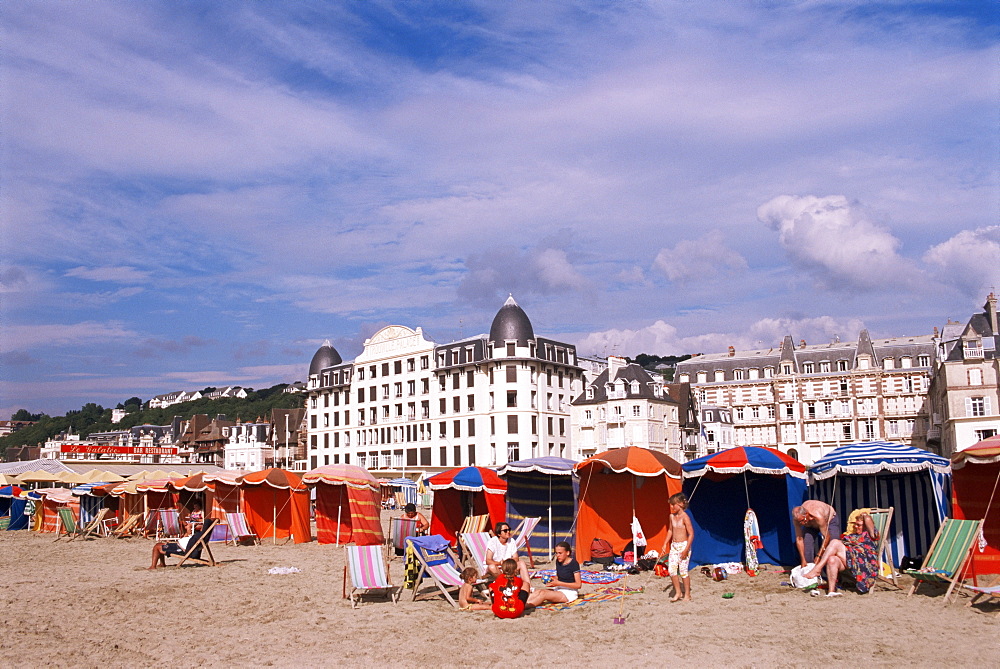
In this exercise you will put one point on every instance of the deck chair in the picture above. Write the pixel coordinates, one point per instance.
(474, 524)
(168, 525)
(399, 529)
(94, 527)
(197, 546)
(437, 562)
(882, 519)
(475, 549)
(523, 533)
(992, 591)
(128, 528)
(949, 553)
(67, 524)
(400, 500)
(368, 571)
(239, 529)
(4, 522)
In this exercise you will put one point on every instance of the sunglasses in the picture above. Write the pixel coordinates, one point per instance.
(504, 529)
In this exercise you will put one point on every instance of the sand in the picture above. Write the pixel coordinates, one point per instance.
(94, 604)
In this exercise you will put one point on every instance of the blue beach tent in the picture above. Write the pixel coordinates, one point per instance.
(917, 483)
(12, 505)
(722, 486)
(407, 487)
(543, 488)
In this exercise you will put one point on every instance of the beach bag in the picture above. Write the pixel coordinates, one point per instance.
(601, 552)
(799, 580)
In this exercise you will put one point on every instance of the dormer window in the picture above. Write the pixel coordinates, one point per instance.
(824, 366)
(808, 368)
(888, 363)
(590, 393)
(973, 348)
(634, 387)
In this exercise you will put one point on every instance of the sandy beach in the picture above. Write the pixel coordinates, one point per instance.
(94, 604)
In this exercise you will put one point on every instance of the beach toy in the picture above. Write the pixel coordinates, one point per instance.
(728, 595)
(620, 618)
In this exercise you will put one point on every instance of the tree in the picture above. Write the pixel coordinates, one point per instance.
(22, 414)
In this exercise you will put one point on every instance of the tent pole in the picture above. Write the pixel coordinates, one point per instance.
(340, 506)
(274, 518)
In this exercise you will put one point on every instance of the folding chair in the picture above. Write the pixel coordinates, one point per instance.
(475, 548)
(400, 500)
(399, 529)
(168, 524)
(128, 528)
(368, 570)
(882, 519)
(949, 553)
(198, 544)
(523, 534)
(94, 527)
(474, 524)
(239, 529)
(992, 591)
(437, 562)
(67, 524)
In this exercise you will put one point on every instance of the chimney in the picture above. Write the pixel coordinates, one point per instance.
(614, 364)
(732, 351)
(802, 343)
(991, 312)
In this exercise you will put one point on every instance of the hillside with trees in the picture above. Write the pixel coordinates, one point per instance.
(651, 362)
(94, 418)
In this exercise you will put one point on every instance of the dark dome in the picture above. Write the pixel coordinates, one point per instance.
(326, 356)
(511, 323)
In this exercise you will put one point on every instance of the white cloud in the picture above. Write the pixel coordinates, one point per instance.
(837, 241)
(699, 259)
(970, 260)
(541, 270)
(19, 337)
(120, 274)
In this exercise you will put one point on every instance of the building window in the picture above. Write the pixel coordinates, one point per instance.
(511, 350)
(636, 411)
(789, 411)
(824, 366)
(702, 377)
(924, 361)
(811, 410)
(975, 377)
(977, 407)
(471, 401)
(720, 376)
(808, 368)
(985, 434)
(906, 362)
(511, 424)
(755, 412)
(770, 411)
(472, 427)
(513, 451)
(768, 372)
(511, 398)
(841, 365)
(869, 429)
(847, 431)
(739, 374)
(888, 363)
(739, 413)
(511, 373)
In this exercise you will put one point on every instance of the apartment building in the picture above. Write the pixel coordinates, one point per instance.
(806, 400)
(408, 402)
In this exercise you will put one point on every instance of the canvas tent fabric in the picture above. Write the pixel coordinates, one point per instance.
(542, 488)
(722, 486)
(405, 486)
(347, 505)
(916, 483)
(976, 496)
(621, 483)
(465, 491)
(12, 504)
(276, 505)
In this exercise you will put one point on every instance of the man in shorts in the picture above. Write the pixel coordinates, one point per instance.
(816, 524)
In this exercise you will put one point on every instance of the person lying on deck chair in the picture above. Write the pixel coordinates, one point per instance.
(164, 548)
(855, 550)
(502, 547)
(410, 511)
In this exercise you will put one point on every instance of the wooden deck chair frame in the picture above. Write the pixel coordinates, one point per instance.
(523, 536)
(236, 537)
(400, 500)
(474, 524)
(94, 527)
(67, 524)
(374, 554)
(426, 572)
(201, 538)
(396, 537)
(992, 591)
(882, 518)
(128, 528)
(953, 545)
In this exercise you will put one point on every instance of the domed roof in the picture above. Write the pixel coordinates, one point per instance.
(326, 356)
(511, 323)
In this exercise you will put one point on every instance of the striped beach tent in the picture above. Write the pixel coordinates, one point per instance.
(543, 488)
(90, 502)
(917, 483)
(406, 486)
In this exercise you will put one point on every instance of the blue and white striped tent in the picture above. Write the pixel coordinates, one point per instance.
(90, 504)
(915, 482)
(407, 487)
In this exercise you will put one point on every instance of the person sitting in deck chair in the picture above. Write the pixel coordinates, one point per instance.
(162, 549)
(410, 511)
(502, 547)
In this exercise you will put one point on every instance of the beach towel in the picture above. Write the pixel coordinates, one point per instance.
(591, 577)
(751, 534)
(604, 594)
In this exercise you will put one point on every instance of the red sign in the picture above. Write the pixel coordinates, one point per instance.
(118, 450)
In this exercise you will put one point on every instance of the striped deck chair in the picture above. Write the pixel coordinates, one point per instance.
(94, 527)
(523, 534)
(169, 526)
(400, 528)
(438, 565)
(882, 519)
(475, 549)
(198, 546)
(4, 522)
(368, 571)
(67, 524)
(239, 529)
(949, 553)
(992, 590)
(128, 528)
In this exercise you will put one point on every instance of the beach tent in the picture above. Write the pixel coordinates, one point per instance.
(462, 492)
(406, 486)
(542, 488)
(722, 486)
(90, 502)
(915, 482)
(218, 492)
(976, 496)
(48, 505)
(620, 484)
(347, 505)
(276, 504)
(12, 504)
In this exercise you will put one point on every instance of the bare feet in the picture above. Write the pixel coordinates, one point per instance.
(675, 598)
(687, 598)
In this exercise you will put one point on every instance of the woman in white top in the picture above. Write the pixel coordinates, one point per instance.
(501, 547)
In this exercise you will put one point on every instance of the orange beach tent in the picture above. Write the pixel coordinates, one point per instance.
(975, 485)
(276, 504)
(347, 505)
(621, 483)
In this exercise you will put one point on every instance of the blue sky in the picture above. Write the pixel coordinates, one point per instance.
(199, 194)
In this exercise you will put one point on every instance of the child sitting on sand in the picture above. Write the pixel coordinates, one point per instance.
(680, 536)
(467, 599)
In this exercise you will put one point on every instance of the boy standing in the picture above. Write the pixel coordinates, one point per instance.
(680, 536)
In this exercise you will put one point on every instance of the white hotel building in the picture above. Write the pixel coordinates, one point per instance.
(406, 402)
(807, 400)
